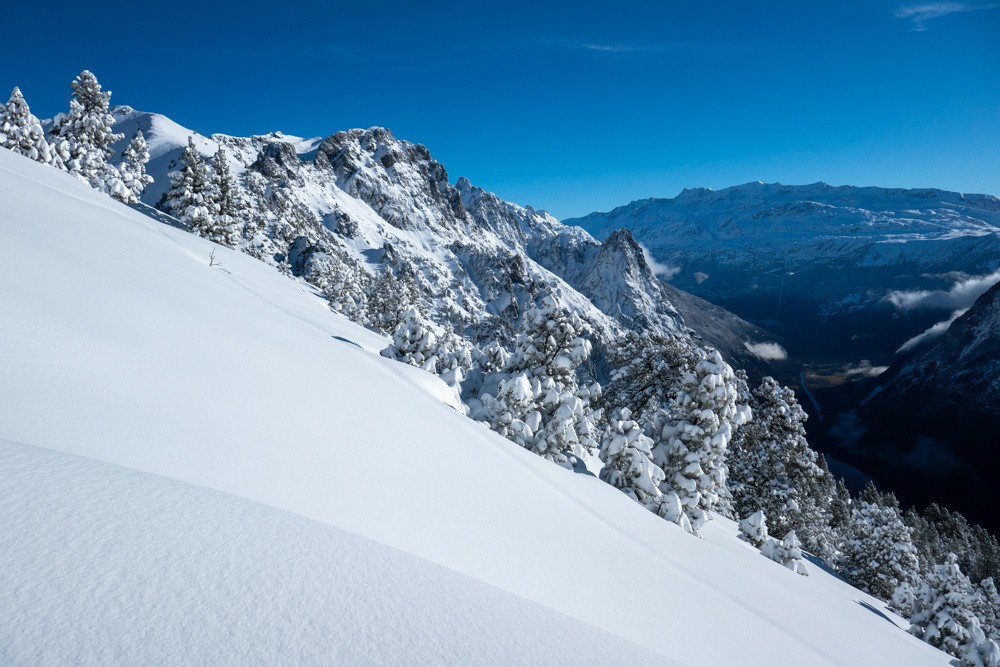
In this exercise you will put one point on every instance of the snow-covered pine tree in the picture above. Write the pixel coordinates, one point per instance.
(753, 529)
(693, 434)
(133, 169)
(20, 131)
(788, 552)
(414, 343)
(227, 206)
(539, 387)
(903, 599)
(87, 131)
(344, 285)
(987, 608)
(878, 554)
(388, 298)
(771, 467)
(979, 650)
(628, 462)
(189, 198)
(943, 608)
(647, 372)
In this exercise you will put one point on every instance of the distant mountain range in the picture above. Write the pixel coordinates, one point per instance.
(835, 270)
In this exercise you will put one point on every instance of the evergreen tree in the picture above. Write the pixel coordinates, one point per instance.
(943, 609)
(414, 343)
(133, 169)
(87, 131)
(772, 468)
(20, 131)
(693, 434)
(628, 462)
(388, 299)
(647, 372)
(189, 198)
(537, 400)
(878, 553)
(227, 206)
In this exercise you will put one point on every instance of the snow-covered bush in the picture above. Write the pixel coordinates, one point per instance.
(753, 529)
(788, 552)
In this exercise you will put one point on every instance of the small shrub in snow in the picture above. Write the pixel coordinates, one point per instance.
(788, 552)
(753, 529)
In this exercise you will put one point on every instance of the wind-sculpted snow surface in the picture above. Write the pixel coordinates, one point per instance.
(122, 344)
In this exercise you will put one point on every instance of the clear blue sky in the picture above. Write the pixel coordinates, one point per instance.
(570, 106)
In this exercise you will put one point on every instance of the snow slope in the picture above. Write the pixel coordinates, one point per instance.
(120, 344)
(210, 573)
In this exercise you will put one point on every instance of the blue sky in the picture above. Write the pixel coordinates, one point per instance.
(570, 106)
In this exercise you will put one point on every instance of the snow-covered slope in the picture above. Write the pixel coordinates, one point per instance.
(816, 263)
(121, 344)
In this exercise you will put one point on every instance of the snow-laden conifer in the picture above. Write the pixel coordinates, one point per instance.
(537, 399)
(414, 342)
(628, 462)
(693, 433)
(132, 169)
(771, 467)
(20, 131)
(878, 552)
(227, 208)
(88, 135)
(190, 195)
(943, 612)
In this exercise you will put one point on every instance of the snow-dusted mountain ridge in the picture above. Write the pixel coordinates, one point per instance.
(371, 199)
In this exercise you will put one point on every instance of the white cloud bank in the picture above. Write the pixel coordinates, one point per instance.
(665, 271)
(961, 295)
(932, 332)
(766, 351)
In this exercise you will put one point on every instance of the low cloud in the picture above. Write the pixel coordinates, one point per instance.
(931, 333)
(961, 295)
(766, 351)
(921, 13)
(660, 269)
